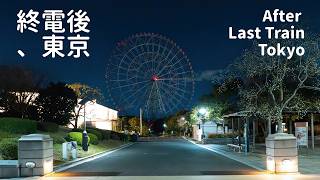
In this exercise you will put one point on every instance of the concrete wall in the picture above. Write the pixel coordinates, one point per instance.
(209, 128)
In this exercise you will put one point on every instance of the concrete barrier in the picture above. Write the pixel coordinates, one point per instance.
(282, 153)
(9, 168)
(35, 155)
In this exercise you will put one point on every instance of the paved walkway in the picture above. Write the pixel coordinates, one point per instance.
(309, 160)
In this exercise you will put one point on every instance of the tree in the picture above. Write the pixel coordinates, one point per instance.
(177, 122)
(213, 107)
(56, 103)
(134, 125)
(273, 85)
(172, 124)
(18, 89)
(120, 123)
(83, 92)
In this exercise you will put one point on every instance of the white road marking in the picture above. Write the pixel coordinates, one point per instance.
(91, 159)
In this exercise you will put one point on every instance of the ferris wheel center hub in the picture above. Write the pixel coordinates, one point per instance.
(154, 78)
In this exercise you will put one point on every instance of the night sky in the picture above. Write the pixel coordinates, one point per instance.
(198, 27)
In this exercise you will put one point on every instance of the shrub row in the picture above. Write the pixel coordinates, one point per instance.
(93, 139)
(76, 136)
(9, 148)
(96, 132)
(5, 134)
(104, 134)
(11, 125)
(47, 126)
(227, 135)
(17, 125)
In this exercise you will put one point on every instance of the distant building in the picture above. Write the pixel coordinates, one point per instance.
(97, 116)
(210, 127)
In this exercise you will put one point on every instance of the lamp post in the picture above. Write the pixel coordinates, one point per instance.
(85, 144)
(164, 128)
(202, 113)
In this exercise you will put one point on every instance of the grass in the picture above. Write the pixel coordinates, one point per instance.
(58, 139)
(93, 149)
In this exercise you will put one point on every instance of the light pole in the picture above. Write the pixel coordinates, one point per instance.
(182, 124)
(85, 144)
(202, 113)
(140, 121)
(164, 128)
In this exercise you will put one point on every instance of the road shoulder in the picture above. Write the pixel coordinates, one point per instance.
(254, 164)
(79, 161)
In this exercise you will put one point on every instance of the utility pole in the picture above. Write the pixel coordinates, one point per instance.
(140, 121)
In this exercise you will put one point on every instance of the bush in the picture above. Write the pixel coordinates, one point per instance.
(9, 148)
(47, 126)
(106, 134)
(228, 135)
(77, 130)
(17, 125)
(118, 136)
(133, 138)
(57, 139)
(96, 132)
(4, 134)
(115, 135)
(93, 139)
(76, 136)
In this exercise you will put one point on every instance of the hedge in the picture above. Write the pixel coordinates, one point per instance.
(47, 126)
(227, 135)
(96, 132)
(104, 134)
(57, 139)
(76, 136)
(93, 139)
(17, 125)
(9, 148)
(4, 134)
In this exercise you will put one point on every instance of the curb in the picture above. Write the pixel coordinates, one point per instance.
(225, 155)
(79, 161)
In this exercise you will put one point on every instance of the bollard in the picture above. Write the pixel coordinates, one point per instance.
(35, 155)
(282, 155)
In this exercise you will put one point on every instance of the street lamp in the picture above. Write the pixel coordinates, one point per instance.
(164, 128)
(202, 113)
(85, 138)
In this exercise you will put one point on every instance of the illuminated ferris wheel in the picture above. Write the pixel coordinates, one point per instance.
(151, 72)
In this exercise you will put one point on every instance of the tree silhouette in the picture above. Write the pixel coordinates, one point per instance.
(56, 103)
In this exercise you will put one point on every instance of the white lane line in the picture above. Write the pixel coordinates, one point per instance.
(230, 157)
(91, 159)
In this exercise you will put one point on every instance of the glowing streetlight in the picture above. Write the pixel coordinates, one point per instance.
(203, 111)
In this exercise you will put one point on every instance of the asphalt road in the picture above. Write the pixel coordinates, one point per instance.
(163, 157)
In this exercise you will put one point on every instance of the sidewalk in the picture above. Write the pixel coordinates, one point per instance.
(309, 160)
